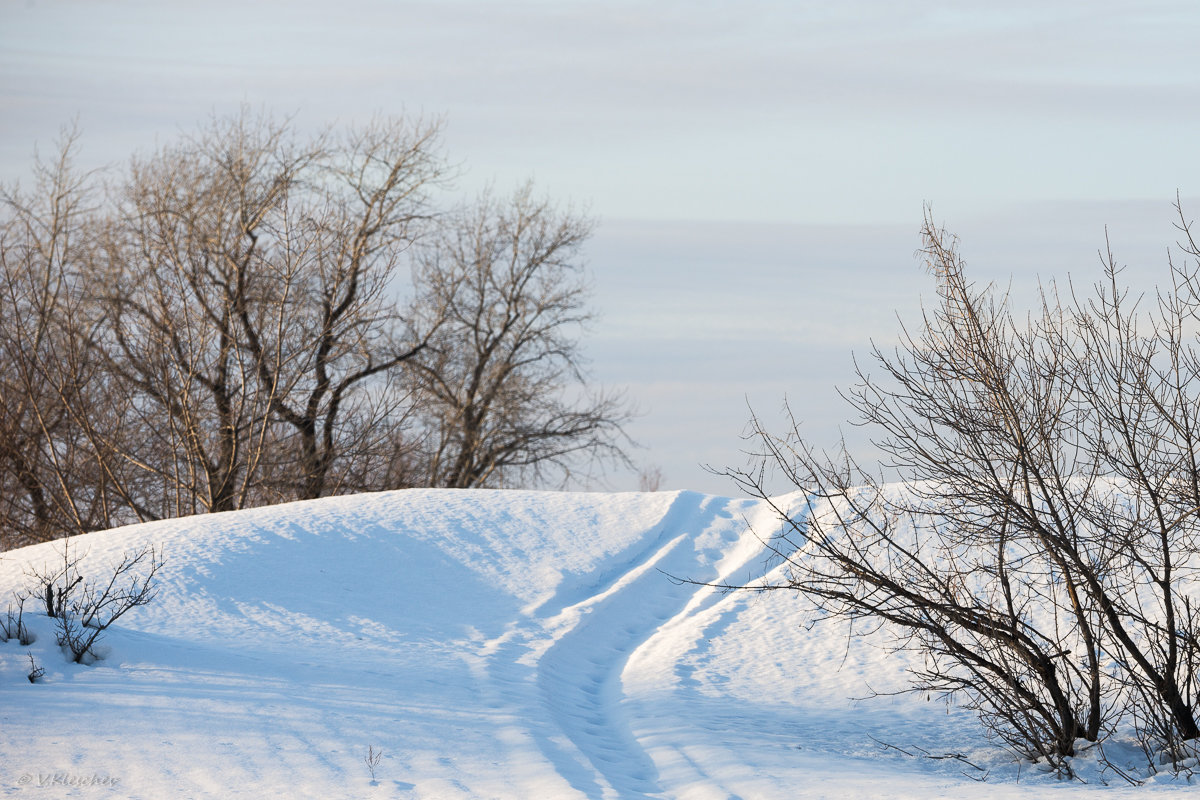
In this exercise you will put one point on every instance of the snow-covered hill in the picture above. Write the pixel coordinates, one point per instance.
(491, 645)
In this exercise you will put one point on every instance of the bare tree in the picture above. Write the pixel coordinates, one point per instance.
(50, 481)
(330, 353)
(501, 387)
(249, 312)
(181, 255)
(1038, 544)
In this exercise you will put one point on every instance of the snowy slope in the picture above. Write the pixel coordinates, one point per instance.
(491, 644)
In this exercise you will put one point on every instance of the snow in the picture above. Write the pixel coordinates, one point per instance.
(492, 644)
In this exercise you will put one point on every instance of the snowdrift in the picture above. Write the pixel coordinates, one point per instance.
(490, 644)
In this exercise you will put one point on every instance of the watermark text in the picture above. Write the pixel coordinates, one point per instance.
(48, 780)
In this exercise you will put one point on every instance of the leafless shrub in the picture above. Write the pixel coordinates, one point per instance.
(651, 479)
(85, 608)
(1041, 551)
(13, 626)
(35, 670)
(372, 759)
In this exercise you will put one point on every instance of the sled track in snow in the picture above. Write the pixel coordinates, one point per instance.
(578, 676)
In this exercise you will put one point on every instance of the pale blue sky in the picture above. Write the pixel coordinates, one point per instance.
(759, 168)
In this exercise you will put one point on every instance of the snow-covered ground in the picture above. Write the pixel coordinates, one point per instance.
(491, 645)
